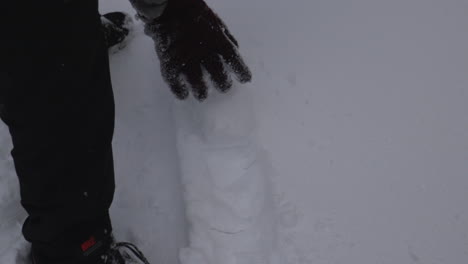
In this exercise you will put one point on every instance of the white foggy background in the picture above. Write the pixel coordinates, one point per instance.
(363, 107)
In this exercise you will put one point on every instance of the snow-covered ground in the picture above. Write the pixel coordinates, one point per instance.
(350, 145)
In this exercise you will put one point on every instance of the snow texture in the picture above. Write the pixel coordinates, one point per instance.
(228, 192)
(350, 145)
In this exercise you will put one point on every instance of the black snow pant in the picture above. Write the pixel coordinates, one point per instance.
(56, 99)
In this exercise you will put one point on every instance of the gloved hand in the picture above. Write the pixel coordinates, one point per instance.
(190, 39)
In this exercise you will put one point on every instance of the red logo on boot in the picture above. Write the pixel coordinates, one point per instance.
(88, 244)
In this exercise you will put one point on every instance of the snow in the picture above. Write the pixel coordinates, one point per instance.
(229, 198)
(350, 145)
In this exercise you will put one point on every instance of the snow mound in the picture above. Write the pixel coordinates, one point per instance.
(228, 194)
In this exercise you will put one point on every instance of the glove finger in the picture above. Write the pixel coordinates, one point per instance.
(194, 75)
(214, 66)
(230, 36)
(178, 88)
(172, 78)
(234, 60)
(225, 30)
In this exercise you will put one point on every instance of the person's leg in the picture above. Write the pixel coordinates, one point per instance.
(56, 98)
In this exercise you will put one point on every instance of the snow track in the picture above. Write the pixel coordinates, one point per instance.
(229, 197)
(148, 208)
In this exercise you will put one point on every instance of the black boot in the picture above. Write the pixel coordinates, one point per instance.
(116, 27)
(98, 250)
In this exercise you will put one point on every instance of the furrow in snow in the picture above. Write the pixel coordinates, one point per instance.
(229, 197)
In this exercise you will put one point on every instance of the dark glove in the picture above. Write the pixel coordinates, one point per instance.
(190, 39)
